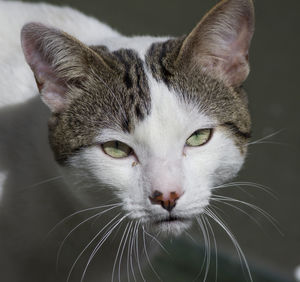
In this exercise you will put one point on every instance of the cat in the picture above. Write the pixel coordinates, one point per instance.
(140, 131)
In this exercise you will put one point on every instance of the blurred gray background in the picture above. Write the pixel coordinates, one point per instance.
(273, 88)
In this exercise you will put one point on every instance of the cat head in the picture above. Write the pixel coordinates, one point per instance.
(159, 131)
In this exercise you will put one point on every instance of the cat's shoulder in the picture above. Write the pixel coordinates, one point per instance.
(14, 14)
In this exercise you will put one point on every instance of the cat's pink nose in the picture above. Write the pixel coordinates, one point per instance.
(167, 202)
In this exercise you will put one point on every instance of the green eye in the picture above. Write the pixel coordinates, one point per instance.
(116, 149)
(199, 137)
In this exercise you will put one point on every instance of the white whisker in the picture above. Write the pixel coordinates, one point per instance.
(85, 248)
(147, 256)
(76, 227)
(215, 245)
(205, 247)
(129, 254)
(40, 183)
(259, 141)
(157, 241)
(78, 212)
(247, 184)
(101, 242)
(240, 253)
(124, 246)
(118, 251)
(190, 236)
(271, 219)
(237, 208)
(208, 248)
(137, 252)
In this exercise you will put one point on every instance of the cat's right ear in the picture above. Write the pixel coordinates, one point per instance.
(56, 59)
(219, 44)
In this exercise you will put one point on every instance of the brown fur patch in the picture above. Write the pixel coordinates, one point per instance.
(113, 97)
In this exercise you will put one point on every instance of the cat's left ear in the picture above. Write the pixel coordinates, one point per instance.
(219, 44)
(58, 62)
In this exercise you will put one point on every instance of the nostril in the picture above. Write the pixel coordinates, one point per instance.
(157, 197)
(174, 196)
(168, 203)
(157, 194)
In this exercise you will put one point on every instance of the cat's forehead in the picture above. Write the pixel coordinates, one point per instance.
(170, 121)
(150, 108)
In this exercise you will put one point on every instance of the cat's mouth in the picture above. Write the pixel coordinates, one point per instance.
(172, 224)
(170, 219)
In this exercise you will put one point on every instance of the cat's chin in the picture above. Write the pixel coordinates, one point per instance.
(172, 225)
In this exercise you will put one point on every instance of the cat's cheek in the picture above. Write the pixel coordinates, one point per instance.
(196, 185)
(230, 159)
(206, 166)
(117, 174)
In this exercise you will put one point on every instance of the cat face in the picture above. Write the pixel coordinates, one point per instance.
(162, 161)
(157, 131)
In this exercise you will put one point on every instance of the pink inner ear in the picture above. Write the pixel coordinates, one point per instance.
(52, 88)
(227, 58)
(53, 96)
(235, 66)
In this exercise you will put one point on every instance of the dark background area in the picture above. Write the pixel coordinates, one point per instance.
(273, 88)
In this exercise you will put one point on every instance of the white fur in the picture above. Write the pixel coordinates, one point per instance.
(34, 198)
